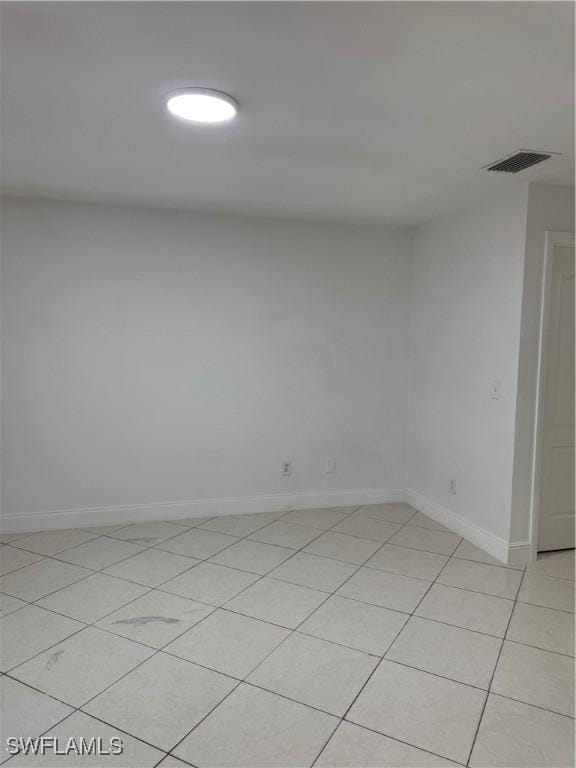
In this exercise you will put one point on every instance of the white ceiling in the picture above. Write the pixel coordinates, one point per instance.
(363, 110)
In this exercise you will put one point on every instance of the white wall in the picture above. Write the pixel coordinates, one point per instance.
(549, 208)
(154, 356)
(465, 332)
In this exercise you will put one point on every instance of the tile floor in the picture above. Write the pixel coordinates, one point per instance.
(366, 636)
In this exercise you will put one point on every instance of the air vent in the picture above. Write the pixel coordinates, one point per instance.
(519, 161)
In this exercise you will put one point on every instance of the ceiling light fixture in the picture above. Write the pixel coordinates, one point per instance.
(202, 105)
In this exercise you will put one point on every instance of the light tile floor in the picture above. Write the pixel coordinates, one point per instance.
(360, 637)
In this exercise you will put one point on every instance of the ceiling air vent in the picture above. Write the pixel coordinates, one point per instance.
(519, 161)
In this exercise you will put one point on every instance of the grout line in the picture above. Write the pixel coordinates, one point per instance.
(390, 646)
(456, 626)
(54, 725)
(262, 660)
(512, 568)
(328, 740)
(569, 579)
(88, 701)
(428, 672)
(383, 655)
(207, 715)
(155, 652)
(240, 681)
(539, 648)
(419, 549)
(92, 571)
(395, 573)
(91, 624)
(392, 738)
(76, 710)
(378, 664)
(52, 645)
(55, 555)
(366, 538)
(270, 575)
(52, 554)
(291, 630)
(110, 535)
(18, 536)
(362, 688)
(208, 560)
(167, 754)
(101, 571)
(158, 546)
(334, 593)
(534, 706)
(374, 654)
(158, 651)
(494, 672)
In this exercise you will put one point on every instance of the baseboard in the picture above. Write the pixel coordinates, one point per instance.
(507, 552)
(519, 553)
(178, 510)
(513, 553)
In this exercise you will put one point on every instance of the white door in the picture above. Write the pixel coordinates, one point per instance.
(556, 521)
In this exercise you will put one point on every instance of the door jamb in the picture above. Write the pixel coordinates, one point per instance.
(553, 239)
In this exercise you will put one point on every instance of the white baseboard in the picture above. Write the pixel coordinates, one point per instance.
(513, 553)
(519, 553)
(507, 552)
(178, 510)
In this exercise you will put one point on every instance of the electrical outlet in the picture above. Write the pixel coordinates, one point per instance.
(330, 466)
(495, 389)
(452, 485)
(286, 470)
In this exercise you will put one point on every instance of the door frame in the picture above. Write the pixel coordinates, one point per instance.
(553, 239)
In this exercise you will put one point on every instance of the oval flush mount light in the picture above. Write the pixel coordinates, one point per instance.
(202, 105)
